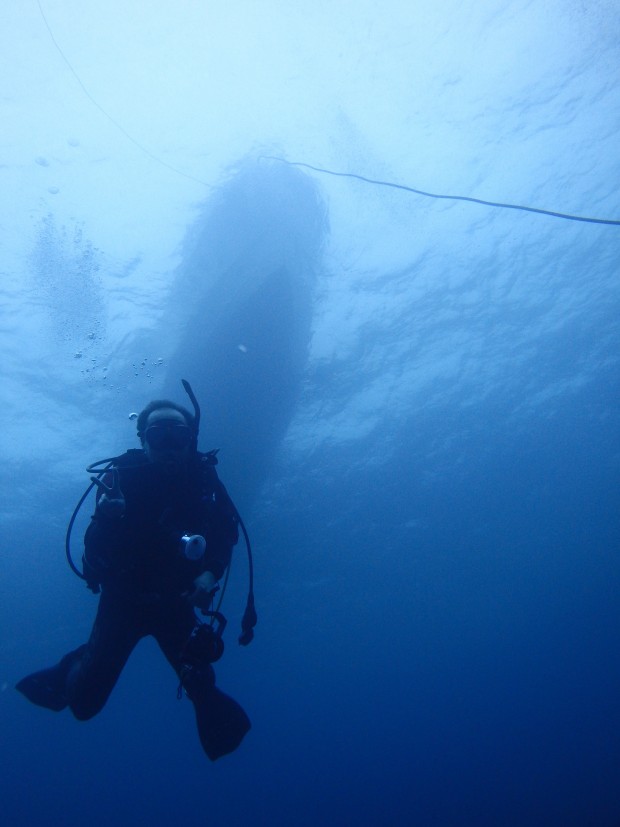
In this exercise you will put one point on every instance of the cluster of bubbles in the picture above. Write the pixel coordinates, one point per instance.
(143, 367)
(93, 371)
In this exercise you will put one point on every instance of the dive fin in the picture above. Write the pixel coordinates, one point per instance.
(222, 723)
(45, 688)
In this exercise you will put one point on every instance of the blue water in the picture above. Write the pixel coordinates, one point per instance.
(423, 427)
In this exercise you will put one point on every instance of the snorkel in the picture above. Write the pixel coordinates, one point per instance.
(196, 407)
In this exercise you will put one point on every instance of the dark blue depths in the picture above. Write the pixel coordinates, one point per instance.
(469, 677)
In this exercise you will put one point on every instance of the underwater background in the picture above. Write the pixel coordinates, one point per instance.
(415, 399)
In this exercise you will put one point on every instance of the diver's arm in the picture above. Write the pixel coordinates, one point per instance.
(110, 498)
(215, 562)
(99, 540)
(224, 531)
(205, 586)
(220, 530)
(222, 537)
(103, 536)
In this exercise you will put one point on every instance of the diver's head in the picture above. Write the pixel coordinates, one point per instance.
(167, 433)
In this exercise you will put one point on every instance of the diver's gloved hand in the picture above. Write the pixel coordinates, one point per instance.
(112, 501)
(204, 589)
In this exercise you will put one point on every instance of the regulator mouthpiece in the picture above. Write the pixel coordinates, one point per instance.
(193, 546)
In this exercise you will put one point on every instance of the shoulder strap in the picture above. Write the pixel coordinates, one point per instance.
(209, 479)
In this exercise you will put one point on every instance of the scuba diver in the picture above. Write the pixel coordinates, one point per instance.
(158, 543)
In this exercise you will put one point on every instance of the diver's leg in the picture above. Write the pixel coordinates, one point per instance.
(92, 675)
(221, 721)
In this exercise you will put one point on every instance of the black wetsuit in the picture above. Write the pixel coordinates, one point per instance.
(138, 563)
